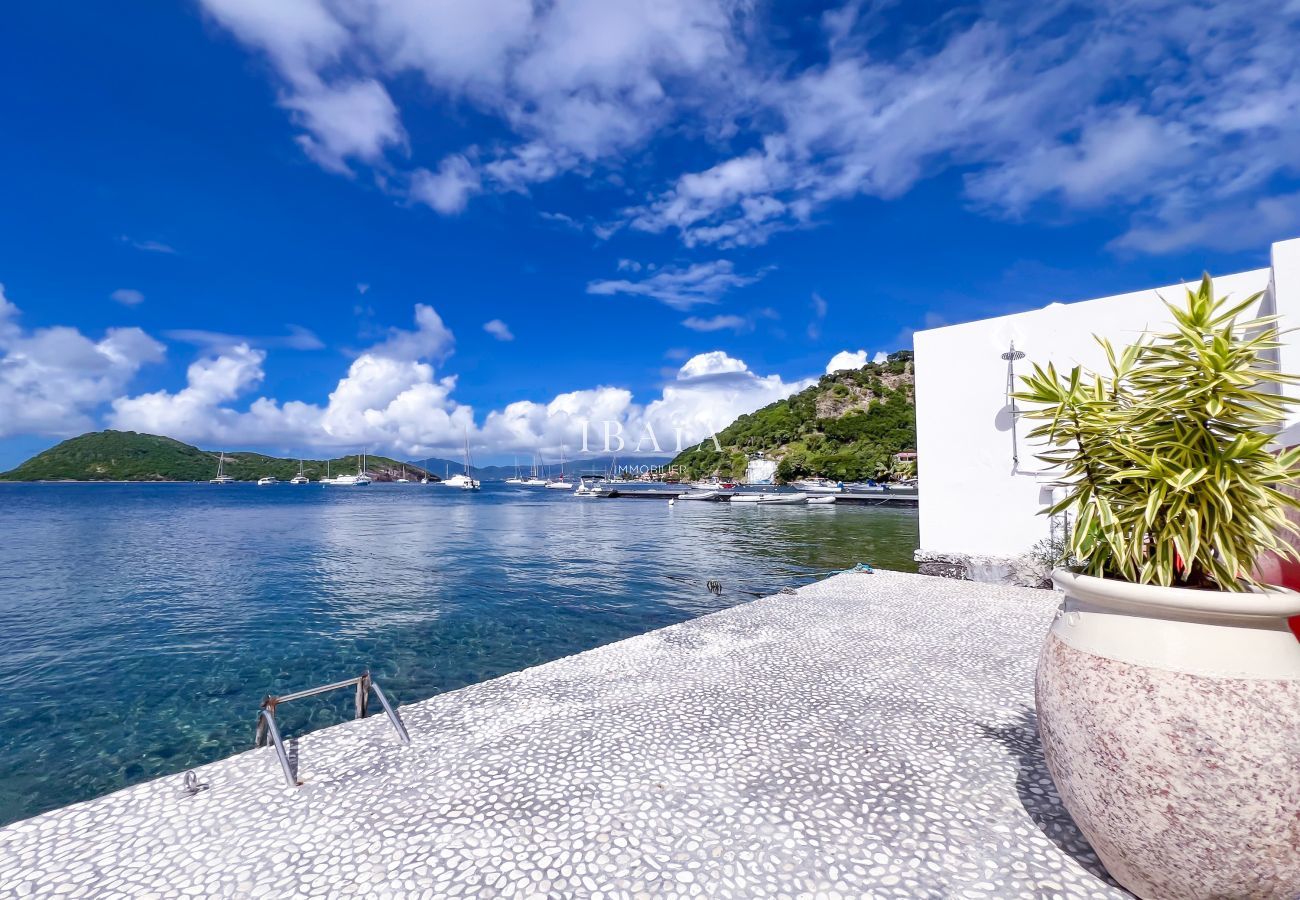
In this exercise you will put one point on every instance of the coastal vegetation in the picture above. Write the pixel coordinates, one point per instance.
(848, 426)
(131, 456)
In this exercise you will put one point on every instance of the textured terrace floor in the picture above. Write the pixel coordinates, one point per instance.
(871, 736)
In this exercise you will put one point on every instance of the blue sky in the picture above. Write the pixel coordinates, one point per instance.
(316, 225)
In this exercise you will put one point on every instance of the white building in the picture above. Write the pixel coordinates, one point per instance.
(982, 486)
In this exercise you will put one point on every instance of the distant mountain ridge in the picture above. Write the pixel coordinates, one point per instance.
(132, 456)
(847, 426)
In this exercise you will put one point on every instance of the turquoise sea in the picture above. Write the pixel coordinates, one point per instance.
(140, 625)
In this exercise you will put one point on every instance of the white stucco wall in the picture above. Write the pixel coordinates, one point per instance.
(973, 499)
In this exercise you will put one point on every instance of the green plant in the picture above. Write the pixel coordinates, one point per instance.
(1166, 457)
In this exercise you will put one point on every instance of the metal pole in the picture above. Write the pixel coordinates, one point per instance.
(1011, 356)
(392, 714)
(269, 718)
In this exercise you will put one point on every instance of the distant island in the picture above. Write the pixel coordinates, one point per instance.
(131, 456)
(851, 425)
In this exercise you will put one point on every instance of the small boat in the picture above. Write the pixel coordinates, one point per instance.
(269, 479)
(700, 495)
(819, 486)
(222, 477)
(821, 501)
(592, 486)
(770, 499)
(300, 478)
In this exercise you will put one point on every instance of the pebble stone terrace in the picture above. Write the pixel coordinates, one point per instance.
(871, 736)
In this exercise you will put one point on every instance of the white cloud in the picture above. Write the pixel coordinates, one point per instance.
(718, 323)
(150, 246)
(448, 189)
(390, 397)
(679, 288)
(350, 120)
(499, 330)
(847, 359)
(127, 296)
(298, 338)
(52, 380)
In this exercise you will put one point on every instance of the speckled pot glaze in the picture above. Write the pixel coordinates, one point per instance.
(1170, 721)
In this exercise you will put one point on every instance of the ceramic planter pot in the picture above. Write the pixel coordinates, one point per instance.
(1170, 720)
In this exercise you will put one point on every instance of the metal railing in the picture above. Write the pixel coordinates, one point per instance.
(268, 730)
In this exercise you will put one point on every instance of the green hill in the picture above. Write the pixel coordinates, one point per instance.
(129, 456)
(847, 426)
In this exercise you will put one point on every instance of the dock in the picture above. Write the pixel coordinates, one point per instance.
(868, 735)
(848, 498)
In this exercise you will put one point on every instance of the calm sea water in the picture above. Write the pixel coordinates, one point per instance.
(140, 625)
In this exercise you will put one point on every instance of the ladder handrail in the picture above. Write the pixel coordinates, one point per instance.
(267, 728)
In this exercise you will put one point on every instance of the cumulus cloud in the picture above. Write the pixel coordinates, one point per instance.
(847, 359)
(393, 399)
(390, 397)
(52, 380)
(681, 287)
(499, 330)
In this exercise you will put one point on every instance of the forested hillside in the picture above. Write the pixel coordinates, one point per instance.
(130, 456)
(848, 427)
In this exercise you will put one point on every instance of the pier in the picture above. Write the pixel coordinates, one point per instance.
(868, 735)
(895, 499)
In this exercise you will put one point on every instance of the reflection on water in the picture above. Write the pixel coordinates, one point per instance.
(140, 625)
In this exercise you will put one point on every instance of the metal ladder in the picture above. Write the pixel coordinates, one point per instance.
(267, 729)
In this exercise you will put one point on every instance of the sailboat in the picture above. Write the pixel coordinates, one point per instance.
(360, 479)
(559, 482)
(300, 478)
(463, 481)
(425, 479)
(222, 477)
(534, 480)
(403, 479)
(517, 479)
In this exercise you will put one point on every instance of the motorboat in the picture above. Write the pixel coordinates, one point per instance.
(701, 495)
(269, 479)
(819, 486)
(825, 500)
(592, 486)
(222, 477)
(770, 499)
(714, 484)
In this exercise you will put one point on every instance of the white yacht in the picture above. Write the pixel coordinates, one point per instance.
(464, 480)
(358, 480)
(534, 480)
(269, 479)
(560, 482)
(222, 477)
(516, 478)
(300, 478)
